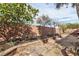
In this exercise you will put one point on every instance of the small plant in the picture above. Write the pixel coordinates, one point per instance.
(11, 43)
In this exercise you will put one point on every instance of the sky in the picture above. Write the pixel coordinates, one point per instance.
(63, 15)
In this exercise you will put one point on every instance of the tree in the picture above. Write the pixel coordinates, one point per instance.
(16, 12)
(58, 5)
(13, 17)
(77, 8)
(44, 20)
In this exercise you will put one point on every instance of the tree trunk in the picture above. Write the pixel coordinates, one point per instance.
(77, 8)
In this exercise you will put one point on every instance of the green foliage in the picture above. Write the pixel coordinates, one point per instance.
(16, 12)
(59, 5)
(63, 27)
(73, 26)
(69, 26)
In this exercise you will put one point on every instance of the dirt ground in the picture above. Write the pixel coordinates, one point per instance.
(40, 49)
